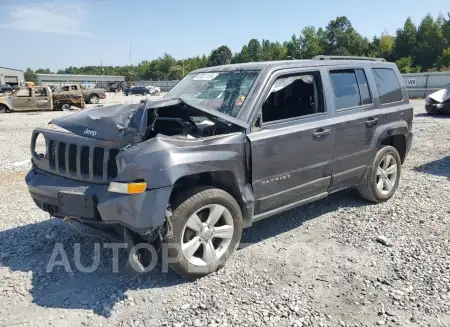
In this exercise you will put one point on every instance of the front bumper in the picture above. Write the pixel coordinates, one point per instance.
(63, 197)
(434, 108)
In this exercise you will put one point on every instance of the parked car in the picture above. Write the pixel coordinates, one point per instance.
(38, 98)
(4, 88)
(196, 167)
(90, 95)
(439, 101)
(153, 90)
(136, 90)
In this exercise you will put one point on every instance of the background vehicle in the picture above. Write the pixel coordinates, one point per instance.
(439, 101)
(226, 147)
(38, 98)
(154, 90)
(114, 87)
(136, 90)
(4, 88)
(90, 95)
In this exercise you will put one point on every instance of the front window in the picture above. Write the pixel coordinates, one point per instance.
(221, 91)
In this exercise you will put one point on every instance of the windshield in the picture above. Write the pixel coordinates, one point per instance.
(221, 91)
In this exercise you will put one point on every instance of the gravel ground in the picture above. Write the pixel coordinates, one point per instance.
(336, 262)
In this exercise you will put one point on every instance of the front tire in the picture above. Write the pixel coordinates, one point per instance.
(381, 180)
(3, 109)
(206, 227)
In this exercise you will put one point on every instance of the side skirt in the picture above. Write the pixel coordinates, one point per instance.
(288, 207)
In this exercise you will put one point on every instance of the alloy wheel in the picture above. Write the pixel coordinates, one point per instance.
(207, 235)
(386, 174)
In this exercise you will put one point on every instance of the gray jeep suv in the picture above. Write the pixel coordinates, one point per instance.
(227, 146)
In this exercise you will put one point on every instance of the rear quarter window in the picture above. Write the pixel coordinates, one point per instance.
(388, 86)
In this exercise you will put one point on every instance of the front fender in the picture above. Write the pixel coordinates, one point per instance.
(161, 161)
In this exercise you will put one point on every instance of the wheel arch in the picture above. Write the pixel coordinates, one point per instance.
(397, 141)
(393, 134)
(223, 179)
(7, 107)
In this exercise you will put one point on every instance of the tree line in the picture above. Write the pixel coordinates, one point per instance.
(414, 48)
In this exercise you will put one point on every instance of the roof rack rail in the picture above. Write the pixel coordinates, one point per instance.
(322, 57)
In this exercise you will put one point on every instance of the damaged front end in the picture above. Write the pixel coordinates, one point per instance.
(439, 101)
(155, 144)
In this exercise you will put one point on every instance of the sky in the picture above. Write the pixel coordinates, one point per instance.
(57, 34)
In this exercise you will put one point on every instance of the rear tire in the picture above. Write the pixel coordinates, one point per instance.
(93, 99)
(206, 228)
(381, 179)
(3, 109)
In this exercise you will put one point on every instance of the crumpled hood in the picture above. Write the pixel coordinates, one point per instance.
(128, 122)
(441, 96)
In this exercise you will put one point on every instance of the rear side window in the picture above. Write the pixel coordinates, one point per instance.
(388, 86)
(364, 91)
(350, 88)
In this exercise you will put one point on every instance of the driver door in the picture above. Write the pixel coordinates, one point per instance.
(23, 100)
(292, 150)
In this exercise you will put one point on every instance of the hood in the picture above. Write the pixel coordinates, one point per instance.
(441, 96)
(129, 122)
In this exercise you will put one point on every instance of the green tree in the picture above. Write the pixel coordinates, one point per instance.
(241, 57)
(311, 42)
(43, 71)
(273, 51)
(405, 65)
(406, 41)
(175, 72)
(444, 59)
(429, 42)
(344, 40)
(293, 48)
(386, 45)
(30, 76)
(254, 50)
(220, 56)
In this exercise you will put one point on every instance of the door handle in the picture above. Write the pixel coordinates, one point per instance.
(371, 122)
(321, 133)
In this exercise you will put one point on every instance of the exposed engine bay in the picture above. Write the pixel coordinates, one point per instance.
(135, 123)
(192, 127)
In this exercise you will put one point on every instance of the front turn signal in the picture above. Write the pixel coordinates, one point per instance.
(127, 188)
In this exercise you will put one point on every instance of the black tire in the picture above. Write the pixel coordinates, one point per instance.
(94, 98)
(368, 185)
(185, 206)
(3, 109)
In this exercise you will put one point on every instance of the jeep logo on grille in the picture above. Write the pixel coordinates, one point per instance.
(90, 132)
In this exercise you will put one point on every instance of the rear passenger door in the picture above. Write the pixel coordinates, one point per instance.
(41, 98)
(356, 120)
(23, 100)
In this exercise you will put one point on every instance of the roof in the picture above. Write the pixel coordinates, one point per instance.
(17, 70)
(283, 64)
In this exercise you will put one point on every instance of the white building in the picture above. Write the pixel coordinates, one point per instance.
(61, 79)
(11, 76)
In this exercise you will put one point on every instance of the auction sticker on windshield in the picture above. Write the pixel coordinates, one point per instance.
(205, 77)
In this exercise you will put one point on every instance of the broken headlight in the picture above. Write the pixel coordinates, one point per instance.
(40, 146)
